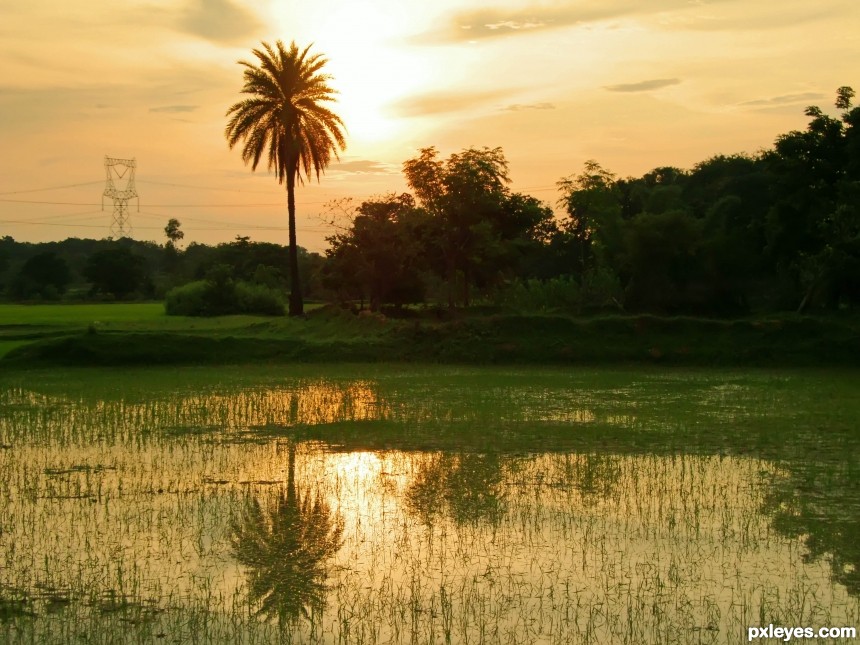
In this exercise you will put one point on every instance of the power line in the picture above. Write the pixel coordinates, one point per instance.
(38, 190)
(177, 185)
(30, 201)
(218, 222)
(226, 227)
(70, 215)
(228, 190)
(238, 225)
(280, 204)
(32, 223)
(210, 205)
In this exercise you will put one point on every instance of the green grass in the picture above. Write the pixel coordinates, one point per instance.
(125, 317)
(7, 346)
(76, 315)
(118, 334)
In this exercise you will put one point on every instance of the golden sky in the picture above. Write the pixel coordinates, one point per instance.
(634, 84)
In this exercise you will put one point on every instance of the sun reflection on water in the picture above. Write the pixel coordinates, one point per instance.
(215, 504)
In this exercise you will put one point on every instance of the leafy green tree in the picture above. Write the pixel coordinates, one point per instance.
(285, 118)
(6, 241)
(663, 261)
(117, 272)
(473, 216)
(379, 254)
(172, 258)
(44, 275)
(666, 184)
(593, 205)
(813, 228)
(731, 195)
(525, 227)
(173, 232)
(590, 243)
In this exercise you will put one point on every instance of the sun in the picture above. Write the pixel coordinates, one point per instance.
(369, 69)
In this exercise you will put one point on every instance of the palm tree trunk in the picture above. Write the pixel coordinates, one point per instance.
(296, 305)
(291, 473)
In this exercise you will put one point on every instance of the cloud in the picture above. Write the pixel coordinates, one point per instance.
(174, 108)
(785, 99)
(516, 107)
(442, 103)
(363, 166)
(513, 25)
(36, 108)
(494, 23)
(219, 20)
(643, 86)
(761, 19)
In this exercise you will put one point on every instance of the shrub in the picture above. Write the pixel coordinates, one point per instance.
(258, 299)
(211, 298)
(561, 293)
(187, 300)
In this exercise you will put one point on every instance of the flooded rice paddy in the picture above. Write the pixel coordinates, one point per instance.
(402, 504)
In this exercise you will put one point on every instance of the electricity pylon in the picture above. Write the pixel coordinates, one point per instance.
(120, 169)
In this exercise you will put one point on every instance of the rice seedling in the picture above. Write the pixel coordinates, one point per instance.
(425, 505)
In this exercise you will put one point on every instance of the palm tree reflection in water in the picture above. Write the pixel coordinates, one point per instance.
(284, 540)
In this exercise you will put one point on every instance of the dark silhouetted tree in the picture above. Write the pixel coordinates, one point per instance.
(173, 232)
(285, 118)
(663, 260)
(379, 254)
(593, 205)
(813, 227)
(44, 275)
(465, 196)
(117, 272)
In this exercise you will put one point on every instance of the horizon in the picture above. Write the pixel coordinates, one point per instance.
(554, 85)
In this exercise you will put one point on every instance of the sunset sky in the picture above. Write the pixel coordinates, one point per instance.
(632, 84)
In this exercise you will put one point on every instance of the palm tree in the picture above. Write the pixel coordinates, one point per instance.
(285, 118)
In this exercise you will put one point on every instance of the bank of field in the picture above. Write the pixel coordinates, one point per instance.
(22, 325)
(128, 334)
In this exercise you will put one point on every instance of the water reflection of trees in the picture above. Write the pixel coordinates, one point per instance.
(468, 487)
(820, 504)
(285, 540)
(594, 475)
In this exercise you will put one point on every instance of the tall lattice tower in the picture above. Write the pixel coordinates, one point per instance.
(119, 171)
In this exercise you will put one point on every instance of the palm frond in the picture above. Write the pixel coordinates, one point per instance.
(283, 117)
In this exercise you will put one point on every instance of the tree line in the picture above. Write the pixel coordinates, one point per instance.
(106, 270)
(775, 231)
(778, 230)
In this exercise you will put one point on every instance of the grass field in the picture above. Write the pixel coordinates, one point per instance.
(24, 324)
(76, 315)
(141, 333)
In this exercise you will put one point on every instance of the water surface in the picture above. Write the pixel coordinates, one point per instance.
(398, 504)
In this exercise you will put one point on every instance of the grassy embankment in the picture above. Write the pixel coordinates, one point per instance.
(111, 334)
